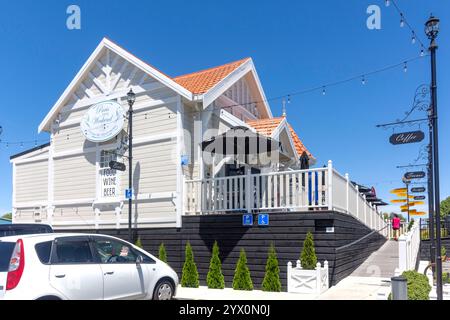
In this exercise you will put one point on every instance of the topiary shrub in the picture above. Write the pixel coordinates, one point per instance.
(242, 279)
(443, 251)
(417, 286)
(139, 243)
(214, 278)
(308, 258)
(189, 277)
(162, 255)
(271, 280)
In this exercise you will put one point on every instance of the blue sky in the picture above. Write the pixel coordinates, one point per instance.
(295, 45)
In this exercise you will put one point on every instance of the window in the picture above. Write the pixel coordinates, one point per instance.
(43, 251)
(114, 251)
(6, 250)
(106, 156)
(73, 251)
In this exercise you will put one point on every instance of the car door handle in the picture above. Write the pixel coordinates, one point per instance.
(60, 276)
(109, 273)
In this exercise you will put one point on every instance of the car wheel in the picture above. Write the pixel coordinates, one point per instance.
(163, 290)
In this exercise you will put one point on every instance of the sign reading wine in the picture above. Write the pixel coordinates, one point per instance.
(407, 137)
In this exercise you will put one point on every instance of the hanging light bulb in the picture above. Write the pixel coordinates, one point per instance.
(405, 67)
(422, 53)
(363, 80)
(21, 144)
(323, 91)
(7, 145)
(402, 21)
(413, 38)
(388, 3)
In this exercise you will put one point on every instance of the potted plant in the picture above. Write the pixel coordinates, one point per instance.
(443, 253)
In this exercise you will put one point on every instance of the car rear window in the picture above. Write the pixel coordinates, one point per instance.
(6, 249)
(43, 251)
(13, 230)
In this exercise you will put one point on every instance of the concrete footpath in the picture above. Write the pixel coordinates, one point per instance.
(203, 293)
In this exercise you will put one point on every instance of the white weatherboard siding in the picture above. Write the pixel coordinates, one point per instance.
(75, 181)
(31, 182)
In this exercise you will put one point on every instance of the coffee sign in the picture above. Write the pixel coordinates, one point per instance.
(418, 190)
(415, 175)
(407, 137)
(103, 121)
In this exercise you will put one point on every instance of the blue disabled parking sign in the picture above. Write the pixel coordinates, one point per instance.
(247, 220)
(129, 193)
(263, 219)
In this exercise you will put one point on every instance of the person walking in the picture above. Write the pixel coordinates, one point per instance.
(396, 226)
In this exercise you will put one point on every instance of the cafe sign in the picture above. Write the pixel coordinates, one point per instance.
(103, 121)
(415, 175)
(407, 137)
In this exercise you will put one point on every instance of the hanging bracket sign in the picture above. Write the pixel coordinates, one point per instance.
(103, 121)
(407, 137)
(414, 175)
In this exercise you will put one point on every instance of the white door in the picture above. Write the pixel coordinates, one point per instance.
(124, 278)
(74, 271)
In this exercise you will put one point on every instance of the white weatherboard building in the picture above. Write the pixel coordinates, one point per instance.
(68, 183)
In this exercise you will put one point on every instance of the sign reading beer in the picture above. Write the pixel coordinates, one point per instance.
(417, 190)
(407, 137)
(415, 175)
(109, 183)
(103, 121)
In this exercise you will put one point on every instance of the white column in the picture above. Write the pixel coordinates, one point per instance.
(118, 211)
(50, 213)
(179, 168)
(402, 253)
(347, 191)
(365, 210)
(249, 191)
(319, 278)
(330, 185)
(357, 202)
(97, 217)
(289, 274)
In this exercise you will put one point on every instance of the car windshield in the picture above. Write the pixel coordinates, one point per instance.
(6, 249)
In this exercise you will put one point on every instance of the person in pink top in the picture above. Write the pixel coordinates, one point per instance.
(396, 226)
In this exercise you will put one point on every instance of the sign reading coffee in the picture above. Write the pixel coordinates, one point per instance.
(418, 190)
(407, 137)
(103, 121)
(415, 175)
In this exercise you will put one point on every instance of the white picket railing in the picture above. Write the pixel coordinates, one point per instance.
(300, 190)
(408, 248)
(307, 281)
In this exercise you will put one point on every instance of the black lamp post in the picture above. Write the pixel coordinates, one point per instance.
(432, 30)
(131, 98)
(407, 182)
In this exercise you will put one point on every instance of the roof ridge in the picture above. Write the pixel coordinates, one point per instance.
(210, 69)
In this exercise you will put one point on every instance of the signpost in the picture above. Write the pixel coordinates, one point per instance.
(414, 175)
(263, 219)
(418, 190)
(407, 137)
(247, 220)
(114, 165)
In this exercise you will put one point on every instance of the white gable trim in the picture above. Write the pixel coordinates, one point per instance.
(234, 121)
(107, 44)
(223, 85)
(276, 134)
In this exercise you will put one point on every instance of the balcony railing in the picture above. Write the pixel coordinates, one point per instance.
(301, 190)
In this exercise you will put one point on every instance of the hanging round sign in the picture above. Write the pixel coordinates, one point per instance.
(103, 121)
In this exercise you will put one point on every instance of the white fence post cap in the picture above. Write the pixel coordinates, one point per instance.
(289, 264)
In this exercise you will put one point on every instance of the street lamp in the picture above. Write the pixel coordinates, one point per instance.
(131, 98)
(432, 30)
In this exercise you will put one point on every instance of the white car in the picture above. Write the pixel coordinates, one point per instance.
(80, 267)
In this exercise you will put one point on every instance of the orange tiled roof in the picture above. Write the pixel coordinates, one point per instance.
(268, 126)
(201, 81)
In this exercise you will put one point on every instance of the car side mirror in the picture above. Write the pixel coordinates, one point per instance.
(139, 260)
